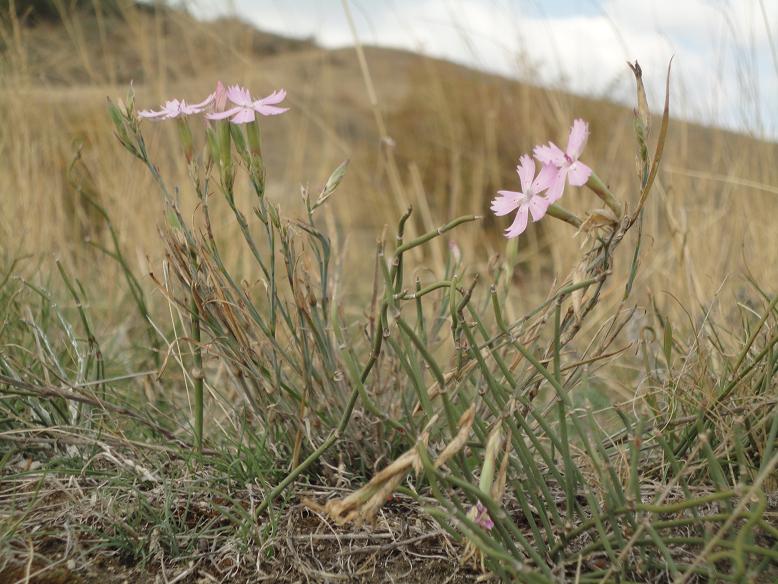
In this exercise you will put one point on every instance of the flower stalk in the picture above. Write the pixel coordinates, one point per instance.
(600, 189)
(198, 375)
(559, 212)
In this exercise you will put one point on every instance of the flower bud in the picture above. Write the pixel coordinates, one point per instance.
(185, 136)
(256, 164)
(225, 155)
(219, 98)
(335, 178)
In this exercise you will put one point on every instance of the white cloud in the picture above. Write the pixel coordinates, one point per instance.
(723, 67)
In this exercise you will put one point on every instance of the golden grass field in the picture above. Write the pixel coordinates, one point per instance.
(707, 225)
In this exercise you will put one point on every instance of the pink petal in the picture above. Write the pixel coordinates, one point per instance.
(170, 109)
(578, 174)
(557, 187)
(239, 95)
(526, 170)
(225, 114)
(550, 154)
(577, 140)
(244, 116)
(545, 177)
(274, 98)
(482, 516)
(506, 202)
(519, 224)
(538, 207)
(269, 110)
(189, 110)
(207, 101)
(149, 114)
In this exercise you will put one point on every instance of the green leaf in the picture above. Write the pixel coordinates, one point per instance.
(668, 343)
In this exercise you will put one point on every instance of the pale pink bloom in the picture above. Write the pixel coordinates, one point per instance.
(217, 99)
(482, 517)
(570, 168)
(174, 108)
(246, 108)
(528, 201)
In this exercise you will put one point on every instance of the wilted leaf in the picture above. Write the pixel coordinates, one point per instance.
(498, 487)
(465, 424)
(490, 458)
(363, 504)
(641, 112)
(332, 184)
(642, 124)
(660, 145)
(336, 177)
(597, 218)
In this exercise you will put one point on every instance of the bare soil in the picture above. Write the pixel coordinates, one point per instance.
(402, 546)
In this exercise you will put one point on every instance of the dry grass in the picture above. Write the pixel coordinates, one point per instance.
(450, 154)
(122, 491)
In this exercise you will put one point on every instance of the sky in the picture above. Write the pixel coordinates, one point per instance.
(725, 67)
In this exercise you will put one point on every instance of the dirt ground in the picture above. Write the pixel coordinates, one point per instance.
(401, 546)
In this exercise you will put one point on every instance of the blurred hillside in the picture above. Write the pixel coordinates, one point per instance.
(454, 137)
(66, 42)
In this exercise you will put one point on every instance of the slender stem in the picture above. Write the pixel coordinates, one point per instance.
(422, 239)
(423, 291)
(600, 189)
(564, 215)
(198, 376)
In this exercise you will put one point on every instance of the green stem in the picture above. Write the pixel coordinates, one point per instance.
(677, 507)
(423, 291)
(422, 239)
(564, 215)
(601, 190)
(198, 376)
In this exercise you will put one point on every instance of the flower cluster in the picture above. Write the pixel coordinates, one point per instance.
(244, 111)
(558, 168)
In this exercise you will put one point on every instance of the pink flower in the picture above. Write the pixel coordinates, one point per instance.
(529, 200)
(482, 517)
(174, 108)
(570, 168)
(246, 108)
